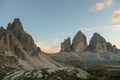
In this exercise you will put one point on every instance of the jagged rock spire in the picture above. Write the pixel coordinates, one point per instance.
(79, 43)
(97, 43)
(16, 25)
(15, 39)
(66, 45)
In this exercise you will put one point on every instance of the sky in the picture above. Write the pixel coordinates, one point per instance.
(51, 21)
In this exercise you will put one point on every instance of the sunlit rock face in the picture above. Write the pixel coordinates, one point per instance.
(79, 43)
(97, 43)
(66, 45)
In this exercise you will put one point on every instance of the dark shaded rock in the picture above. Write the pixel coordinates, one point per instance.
(111, 48)
(79, 43)
(97, 43)
(2, 31)
(66, 45)
(16, 26)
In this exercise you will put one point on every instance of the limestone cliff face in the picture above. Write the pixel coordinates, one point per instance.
(97, 43)
(66, 45)
(79, 43)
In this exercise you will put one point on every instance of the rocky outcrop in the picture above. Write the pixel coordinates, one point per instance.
(66, 45)
(79, 43)
(65, 73)
(97, 43)
(111, 48)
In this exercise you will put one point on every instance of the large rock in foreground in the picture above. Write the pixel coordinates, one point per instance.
(97, 43)
(65, 73)
(79, 43)
(66, 45)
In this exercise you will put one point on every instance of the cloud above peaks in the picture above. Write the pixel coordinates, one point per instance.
(116, 15)
(101, 5)
(98, 6)
(116, 24)
(108, 2)
(48, 49)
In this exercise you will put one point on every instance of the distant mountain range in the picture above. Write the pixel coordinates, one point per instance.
(19, 51)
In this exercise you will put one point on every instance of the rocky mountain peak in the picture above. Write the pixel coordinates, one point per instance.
(79, 43)
(66, 45)
(16, 33)
(17, 23)
(15, 26)
(97, 43)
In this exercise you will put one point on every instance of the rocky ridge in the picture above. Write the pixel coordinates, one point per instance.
(97, 44)
(79, 43)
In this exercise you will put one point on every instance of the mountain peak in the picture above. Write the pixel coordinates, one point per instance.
(79, 33)
(97, 43)
(16, 25)
(79, 43)
(96, 34)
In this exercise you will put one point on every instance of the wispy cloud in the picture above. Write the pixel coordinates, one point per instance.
(98, 6)
(109, 3)
(59, 34)
(87, 28)
(116, 15)
(47, 49)
(116, 24)
(101, 5)
(114, 27)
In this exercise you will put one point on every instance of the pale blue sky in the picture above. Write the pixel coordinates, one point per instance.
(50, 21)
